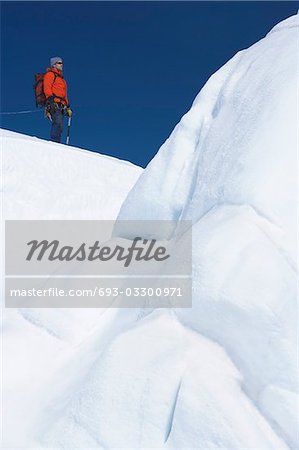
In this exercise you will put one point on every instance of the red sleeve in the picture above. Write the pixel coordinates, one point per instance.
(48, 83)
(66, 98)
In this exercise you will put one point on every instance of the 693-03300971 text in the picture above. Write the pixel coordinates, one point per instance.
(99, 291)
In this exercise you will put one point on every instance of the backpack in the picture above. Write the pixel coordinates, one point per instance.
(40, 98)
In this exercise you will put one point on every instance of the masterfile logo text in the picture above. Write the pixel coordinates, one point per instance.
(98, 264)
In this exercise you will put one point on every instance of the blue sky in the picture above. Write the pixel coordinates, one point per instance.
(133, 68)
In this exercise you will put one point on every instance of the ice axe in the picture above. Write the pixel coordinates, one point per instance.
(68, 131)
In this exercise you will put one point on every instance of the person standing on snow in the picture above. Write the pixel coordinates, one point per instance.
(57, 104)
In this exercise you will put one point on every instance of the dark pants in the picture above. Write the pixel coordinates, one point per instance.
(57, 125)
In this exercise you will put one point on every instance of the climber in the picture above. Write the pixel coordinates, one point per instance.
(57, 104)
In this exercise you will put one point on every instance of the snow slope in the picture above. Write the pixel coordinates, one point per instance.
(44, 180)
(222, 374)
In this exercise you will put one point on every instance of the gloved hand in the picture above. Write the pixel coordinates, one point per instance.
(48, 112)
(69, 112)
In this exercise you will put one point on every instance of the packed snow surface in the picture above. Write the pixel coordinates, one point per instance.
(221, 374)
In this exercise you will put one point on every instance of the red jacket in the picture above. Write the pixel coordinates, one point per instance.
(55, 84)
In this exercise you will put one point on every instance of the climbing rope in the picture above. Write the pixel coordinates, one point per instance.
(22, 112)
